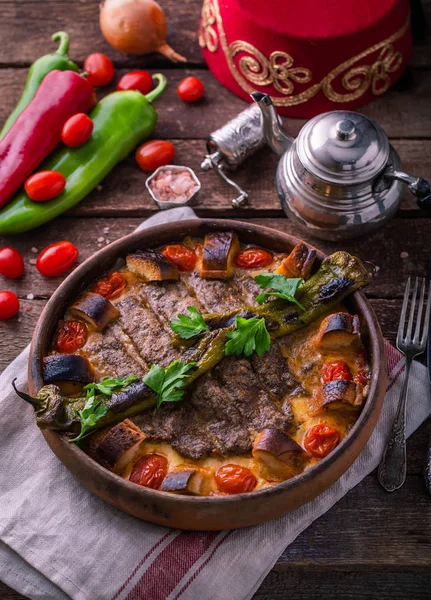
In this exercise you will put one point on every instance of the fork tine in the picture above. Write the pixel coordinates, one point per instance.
(412, 312)
(427, 318)
(400, 333)
(419, 315)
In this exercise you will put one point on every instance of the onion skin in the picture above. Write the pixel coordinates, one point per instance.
(136, 27)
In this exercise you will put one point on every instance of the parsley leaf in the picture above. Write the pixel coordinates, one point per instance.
(94, 409)
(282, 288)
(249, 335)
(187, 326)
(168, 383)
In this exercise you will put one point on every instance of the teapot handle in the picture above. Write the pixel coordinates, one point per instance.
(418, 187)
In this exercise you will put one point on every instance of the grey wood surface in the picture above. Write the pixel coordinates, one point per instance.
(371, 545)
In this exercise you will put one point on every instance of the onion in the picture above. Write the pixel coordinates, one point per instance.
(136, 27)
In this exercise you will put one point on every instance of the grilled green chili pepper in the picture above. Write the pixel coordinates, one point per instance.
(42, 66)
(121, 121)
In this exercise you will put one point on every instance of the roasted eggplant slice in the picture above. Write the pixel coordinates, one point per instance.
(183, 481)
(152, 266)
(95, 310)
(337, 331)
(218, 255)
(68, 371)
(115, 448)
(299, 262)
(340, 394)
(278, 454)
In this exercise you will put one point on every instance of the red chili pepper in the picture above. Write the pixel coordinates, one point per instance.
(37, 130)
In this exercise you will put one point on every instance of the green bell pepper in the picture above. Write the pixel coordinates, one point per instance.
(121, 121)
(58, 60)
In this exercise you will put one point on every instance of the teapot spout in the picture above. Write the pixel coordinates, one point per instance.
(275, 137)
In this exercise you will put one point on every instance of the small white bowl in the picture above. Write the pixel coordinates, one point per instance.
(164, 204)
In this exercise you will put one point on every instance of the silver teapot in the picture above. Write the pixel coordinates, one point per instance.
(340, 178)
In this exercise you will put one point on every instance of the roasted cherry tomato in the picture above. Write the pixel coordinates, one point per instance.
(71, 336)
(180, 255)
(141, 81)
(253, 258)
(152, 155)
(56, 259)
(336, 371)
(110, 286)
(77, 130)
(233, 479)
(190, 89)
(11, 263)
(99, 68)
(45, 185)
(150, 471)
(9, 305)
(321, 439)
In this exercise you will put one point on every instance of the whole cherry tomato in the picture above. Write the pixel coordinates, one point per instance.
(56, 259)
(45, 185)
(233, 479)
(253, 258)
(152, 155)
(141, 81)
(150, 471)
(110, 286)
(77, 130)
(321, 439)
(190, 89)
(180, 255)
(71, 336)
(9, 305)
(99, 68)
(11, 263)
(336, 371)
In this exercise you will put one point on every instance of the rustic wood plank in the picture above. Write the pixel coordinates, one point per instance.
(402, 114)
(80, 19)
(396, 250)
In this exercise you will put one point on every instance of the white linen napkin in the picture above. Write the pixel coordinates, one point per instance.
(58, 541)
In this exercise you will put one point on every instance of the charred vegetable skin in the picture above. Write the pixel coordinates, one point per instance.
(59, 60)
(121, 121)
(219, 251)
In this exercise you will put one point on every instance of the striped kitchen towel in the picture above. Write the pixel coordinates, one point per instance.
(58, 541)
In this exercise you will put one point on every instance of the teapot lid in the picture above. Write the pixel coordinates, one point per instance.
(343, 147)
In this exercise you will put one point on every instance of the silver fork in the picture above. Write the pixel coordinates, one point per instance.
(392, 469)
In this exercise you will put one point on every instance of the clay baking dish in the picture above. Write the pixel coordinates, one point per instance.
(205, 513)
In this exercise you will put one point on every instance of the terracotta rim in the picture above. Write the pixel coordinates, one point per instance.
(105, 259)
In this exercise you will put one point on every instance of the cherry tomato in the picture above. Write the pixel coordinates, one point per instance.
(321, 439)
(190, 89)
(152, 155)
(150, 471)
(110, 286)
(77, 130)
(361, 377)
(56, 259)
(233, 479)
(11, 263)
(141, 81)
(180, 255)
(9, 305)
(71, 336)
(45, 185)
(253, 258)
(336, 371)
(99, 68)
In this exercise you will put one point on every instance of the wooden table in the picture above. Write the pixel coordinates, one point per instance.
(371, 545)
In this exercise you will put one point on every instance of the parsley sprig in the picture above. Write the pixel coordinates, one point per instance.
(280, 286)
(94, 408)
(168, 383)
(189, 325)
(249, 335)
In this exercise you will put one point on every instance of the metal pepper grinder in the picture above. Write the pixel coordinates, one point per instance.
(232, 144)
